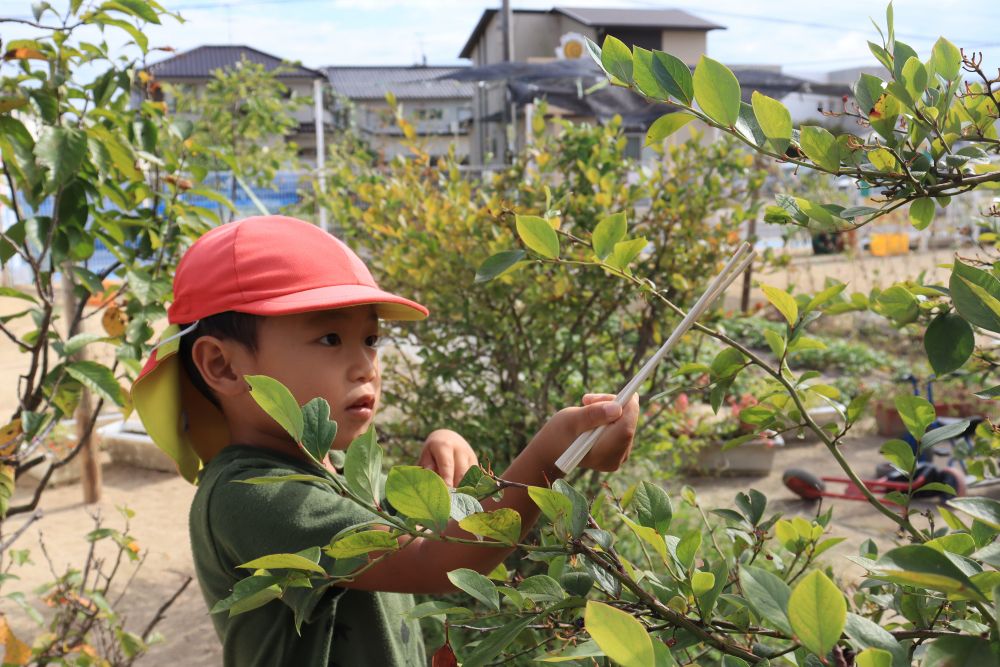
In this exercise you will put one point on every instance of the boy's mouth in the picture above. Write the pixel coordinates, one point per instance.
(362, 407)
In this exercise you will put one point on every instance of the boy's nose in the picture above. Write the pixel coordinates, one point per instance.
(365, 366)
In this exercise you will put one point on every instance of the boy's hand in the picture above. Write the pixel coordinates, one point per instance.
(614, 446)
(448, 454)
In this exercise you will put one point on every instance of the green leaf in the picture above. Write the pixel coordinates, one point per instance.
(727, 362)
(983, 303)
(986, 510)
(817, 612)
(581, 508)
(542, 588)
(867, 92)
(824, 296)
(914, 77)
(363, 466)
(498, 264)
(783, 301)
(249, 594)
(992, 392)
(275, 399)
(767, 595)
(864, 633)
(318, 430)
(80, 341)
(899, 304)
(477, 586)
(820, 146)
(899, 454)
(702, 582)
(666, 125)
(688, 547)
(649, 536)
(946, 59)
(917, 414)
(948, 341)
(98, 378)
(503, 525)
(922, 212)
(138, 8)
(660, 75)
(587, 649)
(776, 342)
(621, 637)
(675, 75)
(652, 507)
(717, 91)
(616, 59)
(18, 294)
(942, 433)
(625, 252)
(62, 150)
(857, 406)
(957, 543)
(358, 544)
(873, 657)
(284, 562)
(419, 494)
(538, 235)
(607, 233)
(554, 505)
(954, 651)
(922, 566)
(496, 641)
(774, 119)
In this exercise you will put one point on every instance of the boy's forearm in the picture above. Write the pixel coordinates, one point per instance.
(535, 466)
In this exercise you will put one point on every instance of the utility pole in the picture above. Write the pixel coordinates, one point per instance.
(506, 28)
(320, 125)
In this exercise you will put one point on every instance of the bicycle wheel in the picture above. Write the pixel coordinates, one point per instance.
(954, 478)
(803, 484)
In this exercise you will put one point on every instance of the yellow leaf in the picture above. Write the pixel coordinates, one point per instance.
(24, 53)
(9, 437)
(114, 321)
(16, 651)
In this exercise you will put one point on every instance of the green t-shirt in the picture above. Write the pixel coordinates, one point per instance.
(235, 523)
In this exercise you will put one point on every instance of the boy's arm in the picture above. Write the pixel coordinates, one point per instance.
(423, 566)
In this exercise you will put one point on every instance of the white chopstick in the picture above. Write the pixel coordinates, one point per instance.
(739, 262)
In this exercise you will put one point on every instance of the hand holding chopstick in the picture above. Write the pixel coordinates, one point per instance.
(736, 266)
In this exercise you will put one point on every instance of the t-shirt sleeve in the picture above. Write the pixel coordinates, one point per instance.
(253, 520)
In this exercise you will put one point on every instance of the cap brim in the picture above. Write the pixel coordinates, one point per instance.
(179, 419)
(388, 306)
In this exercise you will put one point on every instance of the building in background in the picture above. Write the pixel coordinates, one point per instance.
(440, 110)
(560, 33)
(193, 70)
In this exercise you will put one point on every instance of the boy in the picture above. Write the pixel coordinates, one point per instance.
(279, 297)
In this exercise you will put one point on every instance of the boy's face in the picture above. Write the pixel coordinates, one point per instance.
(328, 354)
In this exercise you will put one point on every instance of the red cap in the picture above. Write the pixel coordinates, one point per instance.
(275, 265)
(267, 265)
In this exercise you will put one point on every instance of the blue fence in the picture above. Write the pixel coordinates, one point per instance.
(284, 192)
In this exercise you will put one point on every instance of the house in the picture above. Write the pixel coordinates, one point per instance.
(192, 70)
(560, 33)
(439, 109)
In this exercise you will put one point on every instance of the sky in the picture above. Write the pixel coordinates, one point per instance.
(804, 36)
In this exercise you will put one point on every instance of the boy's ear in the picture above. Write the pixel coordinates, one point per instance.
(214, 359)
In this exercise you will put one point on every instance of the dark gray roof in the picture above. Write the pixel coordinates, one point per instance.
(416, 82)
(664, 19)
(201, 62)
(601, 17)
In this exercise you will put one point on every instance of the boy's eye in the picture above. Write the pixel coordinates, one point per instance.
(373, 341)
(330, 339)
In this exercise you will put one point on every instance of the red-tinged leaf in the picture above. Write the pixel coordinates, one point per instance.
(444, 657)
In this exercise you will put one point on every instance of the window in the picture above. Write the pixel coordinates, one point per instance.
(429, 113)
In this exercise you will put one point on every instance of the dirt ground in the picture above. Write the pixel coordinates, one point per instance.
(161, 500)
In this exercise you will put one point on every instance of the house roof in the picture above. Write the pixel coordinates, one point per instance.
(414, 82)
(202, 61)
(612, 17)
